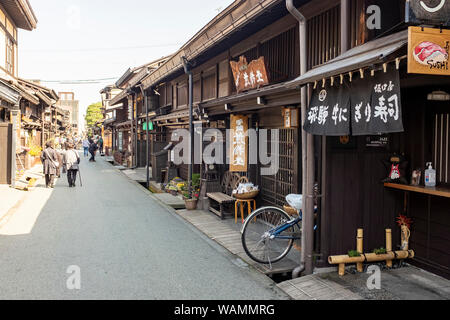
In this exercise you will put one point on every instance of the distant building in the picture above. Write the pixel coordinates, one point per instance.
(67, 102)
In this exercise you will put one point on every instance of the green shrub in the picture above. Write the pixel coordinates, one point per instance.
(354, 254)
(380, 251)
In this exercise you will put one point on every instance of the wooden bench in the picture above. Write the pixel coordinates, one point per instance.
(221, 200)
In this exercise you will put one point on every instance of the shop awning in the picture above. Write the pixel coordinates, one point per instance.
(175, 115)
(8, 93)
(27, 94)
(124, 125)
(29, 123)
(373, 52)
(114, 107)
(117, 99)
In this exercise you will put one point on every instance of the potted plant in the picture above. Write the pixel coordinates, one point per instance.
(190, 200)
(191, 197)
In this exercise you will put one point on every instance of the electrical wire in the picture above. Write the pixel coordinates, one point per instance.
(80, 82)
(104, 49)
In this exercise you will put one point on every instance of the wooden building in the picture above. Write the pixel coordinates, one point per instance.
(366, 178)
(345, 40)
(127, 107)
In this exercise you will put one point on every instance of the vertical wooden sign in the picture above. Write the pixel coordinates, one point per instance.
(18, 131)
(239, 143)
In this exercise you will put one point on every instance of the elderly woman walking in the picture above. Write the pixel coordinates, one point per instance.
(71, 162)
(49, 158)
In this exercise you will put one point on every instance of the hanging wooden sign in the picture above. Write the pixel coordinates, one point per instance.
(249, 75)
(291, 118)
(428, 51)
(239, 143)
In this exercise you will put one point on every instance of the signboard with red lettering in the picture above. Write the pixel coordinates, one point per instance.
(428, 51)
(249, 75)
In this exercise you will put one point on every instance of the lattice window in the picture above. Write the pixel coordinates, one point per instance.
(323, 32)
(274, 189)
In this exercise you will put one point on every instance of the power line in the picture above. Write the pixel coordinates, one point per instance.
(106, 49)
(80, 82)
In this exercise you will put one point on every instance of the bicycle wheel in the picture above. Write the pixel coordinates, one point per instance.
(258, 238)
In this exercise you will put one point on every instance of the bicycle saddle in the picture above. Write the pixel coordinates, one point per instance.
(295, 201)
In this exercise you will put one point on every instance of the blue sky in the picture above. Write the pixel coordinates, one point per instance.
(97, 39)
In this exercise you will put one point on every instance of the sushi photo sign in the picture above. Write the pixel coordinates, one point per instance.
(428, 51)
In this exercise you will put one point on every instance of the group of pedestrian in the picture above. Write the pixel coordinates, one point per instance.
(91, 146)
(64, 157)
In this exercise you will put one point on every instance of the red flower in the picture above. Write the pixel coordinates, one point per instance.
(403, 220)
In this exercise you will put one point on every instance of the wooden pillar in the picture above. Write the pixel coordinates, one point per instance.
(342, 269)
(360, 248)
(389, 246)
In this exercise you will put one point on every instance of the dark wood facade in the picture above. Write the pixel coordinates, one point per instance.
(349, 177)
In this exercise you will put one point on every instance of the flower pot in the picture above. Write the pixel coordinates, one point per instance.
(191, 204)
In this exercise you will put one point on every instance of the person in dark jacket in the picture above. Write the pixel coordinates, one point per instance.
(93, 148)
(49, 158)
(100, 145)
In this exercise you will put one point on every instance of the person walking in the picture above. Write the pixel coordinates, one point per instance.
(49, 158)
(93, 148)
(100, 145)
(86, 145)
(71, 163)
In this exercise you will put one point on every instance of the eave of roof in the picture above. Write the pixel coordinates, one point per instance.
(373, 52)
(234, 17)
(117, 99)
(21, 12)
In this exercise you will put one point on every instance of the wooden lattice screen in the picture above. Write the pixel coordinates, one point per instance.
(441, 154)
(274, 189)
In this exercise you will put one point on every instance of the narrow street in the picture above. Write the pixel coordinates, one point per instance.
(126, 245)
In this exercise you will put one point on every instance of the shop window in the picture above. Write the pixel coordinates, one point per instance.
(209, 84)
(323, 32)
(182, 94)
(274, 189)
(279, 55)
(9, 55)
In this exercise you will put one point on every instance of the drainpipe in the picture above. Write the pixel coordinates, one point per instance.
(308, 232)
(188, 70)
(147, 135)
(344, 26)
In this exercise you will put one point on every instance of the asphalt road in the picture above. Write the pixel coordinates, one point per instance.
(125, 244)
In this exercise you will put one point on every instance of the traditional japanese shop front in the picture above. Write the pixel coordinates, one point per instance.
(379, 124)
(269, 112)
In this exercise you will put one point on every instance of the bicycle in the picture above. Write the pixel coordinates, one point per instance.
(268, 234)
